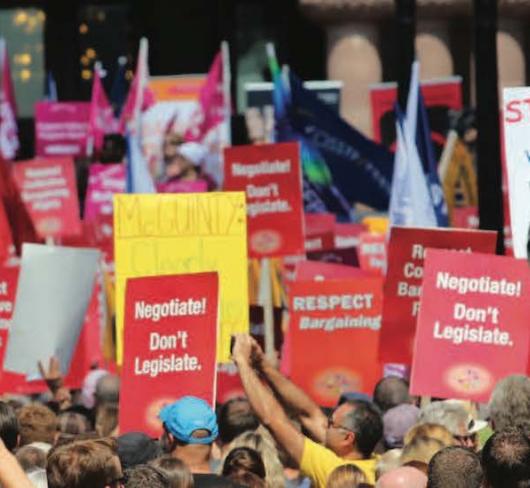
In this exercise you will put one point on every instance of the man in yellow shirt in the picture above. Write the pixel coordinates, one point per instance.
(349, 436)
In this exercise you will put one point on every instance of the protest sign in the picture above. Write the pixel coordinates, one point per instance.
(6, 239)
(169, 344)
(372, 252)
(48, 190)
(269, 174)
(180, 234)
(8, 287)
(228, 383)
(54, 290)
(313, 270)
(319, 231)
(465, 217)
(404, 277)
(61, 128)
(104, 180)
(516, 122)
(342, 317)
(348, 235)
(472, 324)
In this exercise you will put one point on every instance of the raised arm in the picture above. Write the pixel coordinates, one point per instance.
(267, 408)
(308, 412)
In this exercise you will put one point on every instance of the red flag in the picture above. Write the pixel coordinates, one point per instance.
(8, 123)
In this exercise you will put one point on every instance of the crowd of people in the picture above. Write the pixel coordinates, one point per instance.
(275, 436)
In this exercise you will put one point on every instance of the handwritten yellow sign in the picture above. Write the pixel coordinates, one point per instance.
(185, 233)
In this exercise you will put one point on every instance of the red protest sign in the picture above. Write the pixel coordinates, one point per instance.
(170, 345)
(270, 176)
(8, 289)
(343, 318)
(472, 324)
(372, 252)
(465, 217)
(403, 281)
(319, 231)
(315, 270)
(348, 235)
(48, 190)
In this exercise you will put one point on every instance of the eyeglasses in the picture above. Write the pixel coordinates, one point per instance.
(331, 424)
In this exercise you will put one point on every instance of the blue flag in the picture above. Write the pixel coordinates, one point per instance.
(139, 179)
(119, 89)
(51, 88)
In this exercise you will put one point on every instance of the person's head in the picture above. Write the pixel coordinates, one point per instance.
(506, 460)
(354, 427)
(235, 417)
(88, 389)
(391, 392)
(107, 389)
(175, 471)
(404, 477)
(346, 476)
(509, 405)
(455, 467)
(248, 480)
(85, 464)
(243, 459)
(145, 476)
(421, 449)
(31, 457)
(107, 419)
(37, 424)
(388, 461)
(456, 419)
(396, 423)
(9, 428)
(136, 448)
(431, 431)
(189, 424)
(73, 423)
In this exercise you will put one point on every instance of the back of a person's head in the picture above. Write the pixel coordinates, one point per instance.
(247, 480)
(73, 423)
(431, 431)
(84, 464)
(404, 477)
(107, 419)
(509, 405)
(176, 472)
(107, 389)
(262, 442)
(391, 392)
(455, 467)
(31, 457)
(421, 449)
(37, 424)
(366, 422)
(9, 428)
(346, 476)
(506, 460)
(145, 476)
(243, 459)
(388, 461)
(451, 416)
(234, 418)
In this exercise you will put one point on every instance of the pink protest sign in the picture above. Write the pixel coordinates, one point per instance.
(61, 128)
(103, 182)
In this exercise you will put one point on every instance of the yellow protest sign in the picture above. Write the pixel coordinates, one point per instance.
(185, 233)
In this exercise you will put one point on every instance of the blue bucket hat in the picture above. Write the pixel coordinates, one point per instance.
(187, 415)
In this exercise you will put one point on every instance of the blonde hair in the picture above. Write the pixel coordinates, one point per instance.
(421, 449)
(261, 441)
(432, 431)
(346, 476)
(388, 461)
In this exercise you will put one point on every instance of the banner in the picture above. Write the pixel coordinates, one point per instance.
(402, 289)
(269, 174)
(170, 346)
(104, 180)
(516, 118)
(61, 128)
(472, 324)
(179, 234)
(372, 253)
(342, 317)
(48, 189)
(54, 290)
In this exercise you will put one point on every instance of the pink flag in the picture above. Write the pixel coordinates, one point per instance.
(140, 96)
(8, 123)
(101, 118)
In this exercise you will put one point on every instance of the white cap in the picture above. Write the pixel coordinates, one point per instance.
(193, 152)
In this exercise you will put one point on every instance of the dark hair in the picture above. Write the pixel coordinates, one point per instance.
(73, 423)
(234, 418)
(247, 480)
(244, 460)
(457, 467)
(391, 392)
(9, 427)
(176, 472)
(143, 476)
(365, 421)
(506, 459)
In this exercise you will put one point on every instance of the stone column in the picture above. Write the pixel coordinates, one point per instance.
(432, 48)
(511, 58)
(353, 58)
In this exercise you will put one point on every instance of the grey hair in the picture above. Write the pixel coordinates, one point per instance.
(509, 404)
(450, 416)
